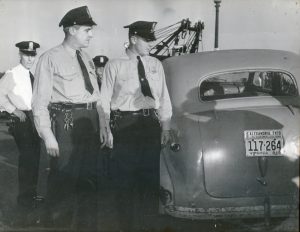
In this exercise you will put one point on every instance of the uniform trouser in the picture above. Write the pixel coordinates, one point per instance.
(71, 187)
(136, 155)
(28, 143)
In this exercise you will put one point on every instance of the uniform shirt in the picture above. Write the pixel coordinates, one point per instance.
(59, 79)
(121, 89)
(16, 89)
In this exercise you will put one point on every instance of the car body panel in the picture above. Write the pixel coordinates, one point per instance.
(210, 176)
(226, 151)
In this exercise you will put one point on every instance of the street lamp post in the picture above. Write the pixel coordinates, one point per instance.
(217, 5)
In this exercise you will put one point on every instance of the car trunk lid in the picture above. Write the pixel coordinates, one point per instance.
(228, 172)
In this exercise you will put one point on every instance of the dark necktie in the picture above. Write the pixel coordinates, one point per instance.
(143, 80)
(87, 81)
(31, 78)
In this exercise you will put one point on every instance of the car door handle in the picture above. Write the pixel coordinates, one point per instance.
(175, 147)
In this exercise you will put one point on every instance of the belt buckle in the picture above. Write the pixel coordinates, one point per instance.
(89, 106)
(56, 106)
(67, 106)
(146, 112)
(53, 106)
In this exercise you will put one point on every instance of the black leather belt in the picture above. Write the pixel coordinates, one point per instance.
(74, 106)
(142, 112)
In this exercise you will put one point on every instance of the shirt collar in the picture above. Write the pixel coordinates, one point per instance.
(22, 68)
(132, 55)
(69, 50)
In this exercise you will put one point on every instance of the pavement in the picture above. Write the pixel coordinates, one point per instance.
(106, 218)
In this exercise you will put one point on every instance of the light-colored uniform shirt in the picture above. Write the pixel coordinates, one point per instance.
(121, 89)
(59, 79)
(15, 90)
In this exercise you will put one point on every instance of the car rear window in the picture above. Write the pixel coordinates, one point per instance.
(248, 84)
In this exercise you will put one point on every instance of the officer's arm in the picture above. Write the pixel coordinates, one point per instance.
(42, 92)
(106, 93)
(6, 85)
(165, 108)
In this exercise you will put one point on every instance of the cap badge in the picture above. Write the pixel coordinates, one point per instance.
(91, 64)
(153, 26)
(30, 47)
(101, 59)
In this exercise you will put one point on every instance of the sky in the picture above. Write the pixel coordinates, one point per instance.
(271, 24)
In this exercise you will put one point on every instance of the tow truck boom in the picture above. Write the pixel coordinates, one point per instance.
(179, 38)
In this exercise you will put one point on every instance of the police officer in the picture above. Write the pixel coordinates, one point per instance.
(15, 98)
(65, 112)
(136, 102)
(100, 62)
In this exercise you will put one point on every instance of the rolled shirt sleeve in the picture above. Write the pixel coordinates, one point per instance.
(42, 91)
(107, 88)
(6, 85)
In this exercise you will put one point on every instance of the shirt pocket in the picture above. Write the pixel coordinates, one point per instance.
(154, 82)
(128, 84)
(67, 75)
(69, 83)
(153, 76)
(152, 73)
(124, 77)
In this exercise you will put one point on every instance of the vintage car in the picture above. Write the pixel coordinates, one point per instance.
(237, 120)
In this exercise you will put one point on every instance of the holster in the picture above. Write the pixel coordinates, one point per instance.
(11, 124)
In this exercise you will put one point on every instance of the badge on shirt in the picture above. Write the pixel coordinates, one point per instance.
(91, 63)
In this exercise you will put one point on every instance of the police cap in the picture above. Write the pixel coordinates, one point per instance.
(100, 61)
(77, 16)
(143, 29)
(28, 47)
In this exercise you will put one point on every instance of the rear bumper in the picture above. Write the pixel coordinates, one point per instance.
(230, 212)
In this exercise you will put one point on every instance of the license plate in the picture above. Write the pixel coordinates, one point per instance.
(263, 142)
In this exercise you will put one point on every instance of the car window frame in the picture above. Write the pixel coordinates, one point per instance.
(205, 77)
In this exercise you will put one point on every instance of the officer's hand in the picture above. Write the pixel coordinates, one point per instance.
(51, 146)
(110, 140)
(103, 136)
(165, 137)
(20, 114)
(106, 137)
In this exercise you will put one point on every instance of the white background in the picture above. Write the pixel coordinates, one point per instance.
(270, 24)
